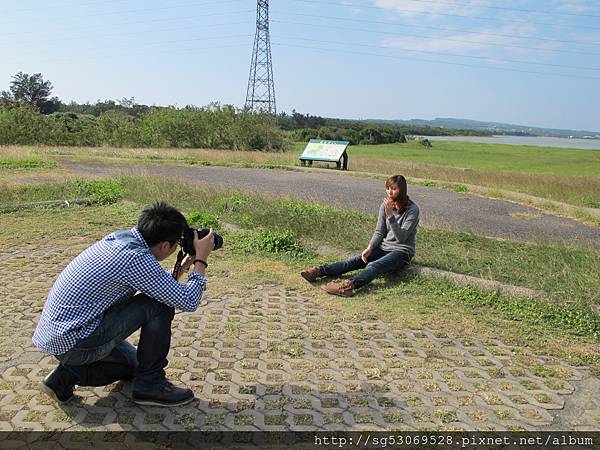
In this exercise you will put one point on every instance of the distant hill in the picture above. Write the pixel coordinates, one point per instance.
(493, 127)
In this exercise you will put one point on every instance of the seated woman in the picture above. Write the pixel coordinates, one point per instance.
(391, 247)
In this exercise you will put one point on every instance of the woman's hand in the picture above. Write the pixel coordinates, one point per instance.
(388, 206)
(366, 253)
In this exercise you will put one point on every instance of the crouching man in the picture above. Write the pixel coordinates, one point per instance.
(108, 292)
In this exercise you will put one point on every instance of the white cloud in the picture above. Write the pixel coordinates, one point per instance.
(576, 7)
(410, 8)
(474, 42)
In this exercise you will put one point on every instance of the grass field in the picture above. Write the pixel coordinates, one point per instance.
(570, 176)
(492, 157)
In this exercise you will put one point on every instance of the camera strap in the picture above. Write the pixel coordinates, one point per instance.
(177, 266)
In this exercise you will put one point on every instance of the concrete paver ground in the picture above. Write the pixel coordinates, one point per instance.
(270, 358)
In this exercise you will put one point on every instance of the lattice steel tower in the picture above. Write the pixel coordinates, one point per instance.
(260, 96)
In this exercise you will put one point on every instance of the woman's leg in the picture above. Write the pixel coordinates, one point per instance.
(338, 268)
(382, 262)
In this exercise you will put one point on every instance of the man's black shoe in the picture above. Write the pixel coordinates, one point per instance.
(164, 394)
(59, 384)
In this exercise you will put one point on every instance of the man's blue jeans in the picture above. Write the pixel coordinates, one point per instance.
(378, 263)
(105, 356)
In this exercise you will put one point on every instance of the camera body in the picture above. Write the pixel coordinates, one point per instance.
(187, 242)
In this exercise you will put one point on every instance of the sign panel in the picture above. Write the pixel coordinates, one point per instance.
(318, 150)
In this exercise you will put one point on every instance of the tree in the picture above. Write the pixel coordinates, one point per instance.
(32, 90)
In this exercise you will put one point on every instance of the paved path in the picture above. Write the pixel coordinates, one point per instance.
(459, 211)
(272, 358)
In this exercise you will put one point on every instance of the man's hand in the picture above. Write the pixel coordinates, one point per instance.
(204, 246)
(184, 267)
(388, 206)
(366, 253)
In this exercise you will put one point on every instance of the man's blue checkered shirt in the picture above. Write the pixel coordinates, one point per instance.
(111, 270)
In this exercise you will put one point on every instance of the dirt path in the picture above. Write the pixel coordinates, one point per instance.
(458, 211)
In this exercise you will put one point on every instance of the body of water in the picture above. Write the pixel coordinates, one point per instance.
(540, 141)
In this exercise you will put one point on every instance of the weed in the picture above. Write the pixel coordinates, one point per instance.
(232, 203)
(26, 163)
(591, 203)
(103, 192)
(271, 241)
(457, 187)
(202, 220)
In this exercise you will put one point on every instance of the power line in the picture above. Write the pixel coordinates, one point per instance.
(67, 5)
(529, 22)
(177, 50)
(441, 62)
(439, 28)
(490, 58)
(170, 19)
(505, 8)
(162, 8)
(145, 44)
(131, 33)
(390, 33)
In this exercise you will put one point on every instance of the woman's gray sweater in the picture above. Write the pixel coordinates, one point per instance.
(397, 233)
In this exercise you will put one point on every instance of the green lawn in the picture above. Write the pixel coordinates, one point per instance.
(570, 176)
(490, 157)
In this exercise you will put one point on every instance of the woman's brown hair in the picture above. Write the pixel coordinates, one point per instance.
(403, 199)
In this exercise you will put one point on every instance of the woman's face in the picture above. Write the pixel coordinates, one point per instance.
(393, 191)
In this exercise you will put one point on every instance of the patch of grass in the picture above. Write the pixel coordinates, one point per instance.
(271, 241)
(201, 219)
(291, 349)
(102, 192)
(571, 318)
(15, 163)
(458, 187)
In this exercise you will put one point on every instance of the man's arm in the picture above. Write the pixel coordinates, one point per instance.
(145, 274)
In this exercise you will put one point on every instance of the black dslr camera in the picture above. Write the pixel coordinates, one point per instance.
(187, 242)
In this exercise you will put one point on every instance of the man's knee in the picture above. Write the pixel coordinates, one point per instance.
(154, 308)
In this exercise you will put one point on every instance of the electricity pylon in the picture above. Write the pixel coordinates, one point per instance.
(260, 95)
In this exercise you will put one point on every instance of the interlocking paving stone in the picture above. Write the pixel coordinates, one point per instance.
(270, 358)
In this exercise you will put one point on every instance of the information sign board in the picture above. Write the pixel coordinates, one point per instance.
(318, 150)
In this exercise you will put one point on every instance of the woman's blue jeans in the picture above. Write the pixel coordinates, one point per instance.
(105, 356)
(378, 263)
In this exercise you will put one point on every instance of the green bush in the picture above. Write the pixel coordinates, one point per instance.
(202, 220)
(271, 241)
(213, 126)
(103, 192)
(457, 187)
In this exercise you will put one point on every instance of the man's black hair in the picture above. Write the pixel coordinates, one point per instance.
(161, 222)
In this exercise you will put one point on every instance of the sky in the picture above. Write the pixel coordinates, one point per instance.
(524, 62)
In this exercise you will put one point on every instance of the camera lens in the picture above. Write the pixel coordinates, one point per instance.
(188, 240)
